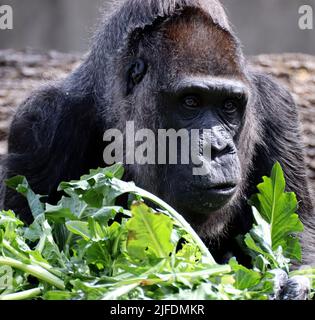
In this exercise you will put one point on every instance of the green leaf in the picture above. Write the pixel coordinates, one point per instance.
(20, 184)
(98, 231)
(105, 214)
(114, 171)
(60, 295)
(68, 208)
(59, 213)
(8, 217)
(148, 232)
(278, 208)
(98, 255)
(99, 188)
(79, 228)
(88, 248)
(34, 231)
(259, 241)
(48, 247)
(244, 278)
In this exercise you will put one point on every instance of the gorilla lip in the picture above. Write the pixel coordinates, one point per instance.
(223, 189)
(213, 198)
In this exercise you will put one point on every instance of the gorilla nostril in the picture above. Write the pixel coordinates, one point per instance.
(218, 152)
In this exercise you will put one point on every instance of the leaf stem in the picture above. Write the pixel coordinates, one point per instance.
(171, 277)
(15, 252)
(35, 271)
(23, 295)
(25, 259)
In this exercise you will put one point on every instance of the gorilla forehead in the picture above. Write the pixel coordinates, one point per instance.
(130, 17)
(189, 44)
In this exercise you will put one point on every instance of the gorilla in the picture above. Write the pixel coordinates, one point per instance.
(167, 64)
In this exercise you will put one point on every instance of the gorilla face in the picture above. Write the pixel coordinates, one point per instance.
(218, 106)
(199, 87)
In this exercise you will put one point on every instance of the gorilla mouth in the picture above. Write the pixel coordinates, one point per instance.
(223, 189)
(227, 188)
(219, 195)
(210, 198)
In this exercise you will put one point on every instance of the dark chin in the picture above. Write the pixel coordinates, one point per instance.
(211, 225)
(199, 205)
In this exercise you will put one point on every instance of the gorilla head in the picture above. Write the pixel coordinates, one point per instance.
(167, 64)
(182, 69)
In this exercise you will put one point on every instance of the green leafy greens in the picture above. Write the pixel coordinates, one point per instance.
(88, 247)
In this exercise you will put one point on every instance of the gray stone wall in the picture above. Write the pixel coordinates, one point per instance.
(264, 26)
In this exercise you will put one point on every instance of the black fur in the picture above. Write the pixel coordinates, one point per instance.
(56, 134)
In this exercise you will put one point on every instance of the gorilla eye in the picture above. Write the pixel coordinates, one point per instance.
(230, 107)
(136, 73)
(191, 102)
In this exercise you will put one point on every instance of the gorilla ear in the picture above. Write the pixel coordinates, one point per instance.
(135, 75)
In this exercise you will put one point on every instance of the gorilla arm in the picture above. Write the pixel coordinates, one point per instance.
(281, 141)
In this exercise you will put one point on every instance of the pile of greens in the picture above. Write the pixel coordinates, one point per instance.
(87, 247)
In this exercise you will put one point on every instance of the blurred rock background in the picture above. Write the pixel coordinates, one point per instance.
(264, 26)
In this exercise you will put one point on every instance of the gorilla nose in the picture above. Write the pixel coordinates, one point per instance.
(220, 144)
(218, 151)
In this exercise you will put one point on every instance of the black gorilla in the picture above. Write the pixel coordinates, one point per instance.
(167, 64)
